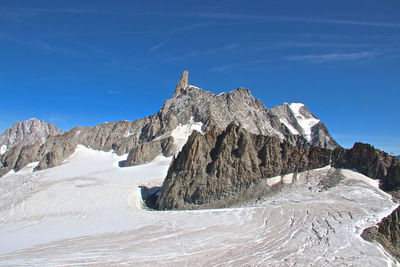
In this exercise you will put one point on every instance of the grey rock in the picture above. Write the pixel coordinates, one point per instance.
(321, 137)
(147, 151)
(214, 170)
(386, 233)
(28, 132)
(371, 162)
(319, 133)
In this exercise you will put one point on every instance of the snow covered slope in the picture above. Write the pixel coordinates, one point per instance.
(89, 210)
(299, 120)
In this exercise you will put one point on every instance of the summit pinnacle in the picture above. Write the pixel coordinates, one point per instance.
(183, 82)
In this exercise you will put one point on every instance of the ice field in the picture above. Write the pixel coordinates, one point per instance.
(90, 211)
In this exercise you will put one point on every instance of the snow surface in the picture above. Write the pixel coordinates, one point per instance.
(3, 149)
(89, 211)
(182, 133)
(306, 123)
(289, 126)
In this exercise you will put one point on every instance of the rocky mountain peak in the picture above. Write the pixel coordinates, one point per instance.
(26, 133)
(182, 84)
(220, 169)
(190, 107)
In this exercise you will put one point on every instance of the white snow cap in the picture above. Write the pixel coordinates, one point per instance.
(305, 122)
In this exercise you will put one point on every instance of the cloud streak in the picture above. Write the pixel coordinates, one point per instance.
(302, 19)
(333, 57)
(211, 51)
(158, 46)
(17, 14)
(238, 65)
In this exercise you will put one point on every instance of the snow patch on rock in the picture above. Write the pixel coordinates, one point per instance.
(305, 122)
(3, 149)
(182, 133)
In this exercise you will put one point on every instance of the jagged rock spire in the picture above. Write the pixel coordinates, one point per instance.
(183, 82)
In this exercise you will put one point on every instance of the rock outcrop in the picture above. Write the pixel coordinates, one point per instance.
(371, 162)
(387, 233)
(146, 152)
(216, 170)
(27, 133)
(220, 169)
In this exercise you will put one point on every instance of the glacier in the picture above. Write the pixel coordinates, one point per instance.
(89, 210)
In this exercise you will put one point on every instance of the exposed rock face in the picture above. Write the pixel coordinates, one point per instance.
(213, 170)
(301, 122)
(371, 162)
(188, 104)
(146, 152)
(26, 133)
(387, 233)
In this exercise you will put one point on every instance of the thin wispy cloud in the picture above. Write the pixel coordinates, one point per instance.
(211, 51)
(175, 32)
(37, 11)
(213, 9)
(191, 27)
(158, 46)
(238, 65)
(17, 14)
(30, 42)
(232, 16)
(333, 57)
(112, 92)
(355, 22)
(90, 47)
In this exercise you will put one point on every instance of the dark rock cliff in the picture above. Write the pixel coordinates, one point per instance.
(387, 233)
(371, 162)
(214, 167)
(213, 170)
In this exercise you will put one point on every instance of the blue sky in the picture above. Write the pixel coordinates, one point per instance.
(79, 63)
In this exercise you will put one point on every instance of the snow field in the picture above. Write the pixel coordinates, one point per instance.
(90, 211)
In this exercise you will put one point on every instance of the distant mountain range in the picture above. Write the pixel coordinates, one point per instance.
(146, 138)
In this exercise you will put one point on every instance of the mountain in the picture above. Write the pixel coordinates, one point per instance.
(289, 191)
(27, 133)
(166, 131)
(219, 170)
(300, 121)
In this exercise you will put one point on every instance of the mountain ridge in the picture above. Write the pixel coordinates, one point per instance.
(27, 132)
(221, 169)
(189, 104)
